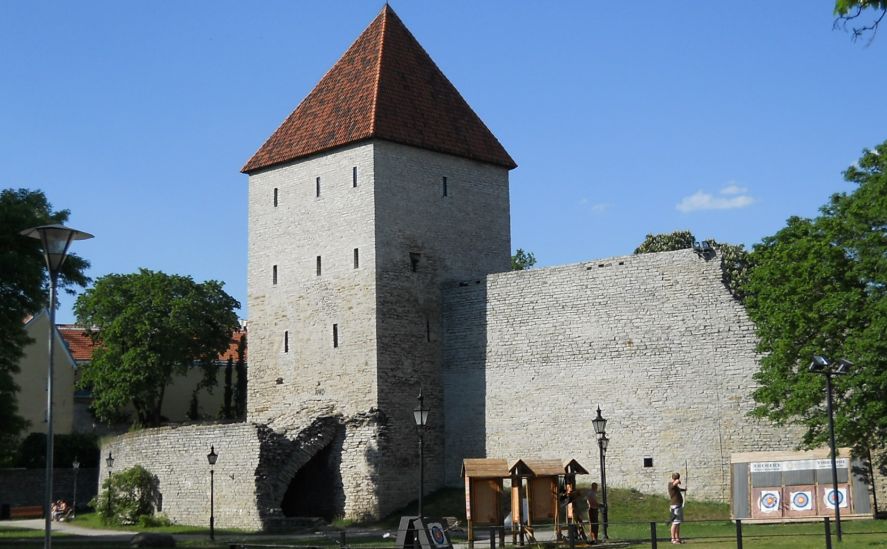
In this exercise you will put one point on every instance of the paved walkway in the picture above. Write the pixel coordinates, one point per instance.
(39, 524)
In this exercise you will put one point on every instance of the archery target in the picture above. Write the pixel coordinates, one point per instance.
(438, 537)
(802, 501)
(769, 501)
(829, 498)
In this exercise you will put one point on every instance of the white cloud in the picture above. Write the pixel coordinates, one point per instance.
(733, 197)
(598, 207)
(733, 188)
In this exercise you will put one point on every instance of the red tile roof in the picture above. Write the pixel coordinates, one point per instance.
(81, 346)
(385, 86)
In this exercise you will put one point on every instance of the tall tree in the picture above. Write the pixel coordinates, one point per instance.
(148, 327)
(522, 260)
(24, 291)
(819, 286)
(851, 16)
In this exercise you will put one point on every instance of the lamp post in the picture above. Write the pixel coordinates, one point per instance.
(110, 462)
(211, 457)
(420, 415)
(76, 466)
(600, 428)
(56, 240)
(822, 365)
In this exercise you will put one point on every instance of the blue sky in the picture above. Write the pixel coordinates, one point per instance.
(625, 118)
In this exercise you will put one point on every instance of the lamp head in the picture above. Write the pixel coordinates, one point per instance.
(56, 240)
(820, 365)
(599, 423)
(212, 456)
(843, 367)
(110, 460)
(76, 464)
(420, 412)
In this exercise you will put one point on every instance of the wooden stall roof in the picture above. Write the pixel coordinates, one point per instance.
(545, 467)
(518, 468)
(485, 468)
(572, 466)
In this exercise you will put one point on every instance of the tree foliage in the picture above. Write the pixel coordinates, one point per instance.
(23, 292)
(851, 16)
(819, 286)
(522, 260)
(127, 496)
(666, 242)
(148, 327)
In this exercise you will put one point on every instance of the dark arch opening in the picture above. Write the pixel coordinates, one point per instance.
(312, 492)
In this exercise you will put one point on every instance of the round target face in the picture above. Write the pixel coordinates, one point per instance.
(437, 534)
(769, 501)
(833, 500)
(801, 500)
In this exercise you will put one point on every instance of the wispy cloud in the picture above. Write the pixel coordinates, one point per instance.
(730, 197)
(598, 207)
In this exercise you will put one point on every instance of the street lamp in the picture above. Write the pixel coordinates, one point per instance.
(211, 457)
(76, 466)
(110, 462)
(420, 415)
(56, 240)
(822, 365)
(600, 428)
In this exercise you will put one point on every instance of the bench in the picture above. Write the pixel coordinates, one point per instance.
(23, 512)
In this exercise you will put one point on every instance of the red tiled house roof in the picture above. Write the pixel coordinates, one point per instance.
(81, 345)
(385, 86)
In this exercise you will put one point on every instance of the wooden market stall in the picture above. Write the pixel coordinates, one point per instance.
(483, 492)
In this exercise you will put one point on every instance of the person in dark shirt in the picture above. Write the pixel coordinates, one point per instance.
(593, 506)
(676, 500)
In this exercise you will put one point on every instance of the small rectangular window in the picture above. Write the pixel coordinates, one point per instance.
(286, 341)
(445, 190)
(275, 197)
(317, 187)
(354, 176)
(414, 261)
(356, 258)
(318, 265)
(274, 274)
(335, 335)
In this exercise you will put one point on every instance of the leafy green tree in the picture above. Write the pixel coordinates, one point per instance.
(522, 260)
(848, 12)
(819, 286)
(127, 496)
(666, 242)
(23, 292)
(148, 327)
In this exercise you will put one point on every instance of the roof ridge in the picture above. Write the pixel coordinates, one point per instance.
(373, 107)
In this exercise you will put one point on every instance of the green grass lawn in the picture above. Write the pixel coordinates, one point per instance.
(630, 513)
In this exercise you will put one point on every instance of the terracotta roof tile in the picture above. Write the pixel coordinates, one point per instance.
(385, 86)
(81, 345)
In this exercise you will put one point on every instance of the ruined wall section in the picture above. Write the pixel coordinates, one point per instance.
(297, 371)
(452, 215)
(655, 340)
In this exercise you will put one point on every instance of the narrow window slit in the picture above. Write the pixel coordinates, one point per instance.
(335, 335)
(318, 265)
(274, 274)
(286, 341)
(356, 258)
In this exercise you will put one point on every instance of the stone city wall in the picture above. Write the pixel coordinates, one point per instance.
(27, 487)
(655, 340)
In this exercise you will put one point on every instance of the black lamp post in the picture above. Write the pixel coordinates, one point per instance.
(420, 415)
(600, 428)
(76, 466)
(56, 240)
(110, 463)
(822, 365)
(211, 457)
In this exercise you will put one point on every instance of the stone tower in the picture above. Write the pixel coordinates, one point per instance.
(379, 188)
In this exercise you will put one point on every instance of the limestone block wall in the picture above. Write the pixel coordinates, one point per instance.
(438, 218)
(177, 456)
(295, 367)
(655, 340)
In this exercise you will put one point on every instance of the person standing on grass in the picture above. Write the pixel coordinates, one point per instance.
(593, 507)
(676, 499)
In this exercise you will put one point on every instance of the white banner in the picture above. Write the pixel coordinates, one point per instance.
(798, 465)
(828, 498)
(802, 500)
(769, 501)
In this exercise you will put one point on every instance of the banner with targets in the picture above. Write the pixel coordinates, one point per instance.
(829, 496)
(769, 501)
(801, 500)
